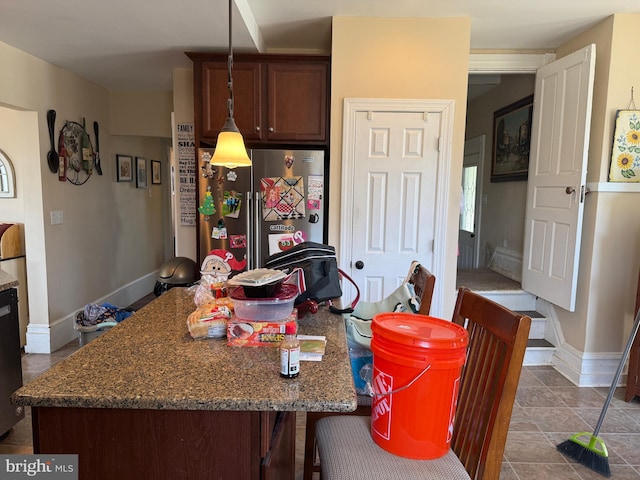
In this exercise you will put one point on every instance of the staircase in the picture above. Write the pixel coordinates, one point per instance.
(539, 351)
(509, 293)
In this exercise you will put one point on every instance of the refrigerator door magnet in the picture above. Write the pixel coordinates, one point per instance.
(288, 160)
(219, 232)
(238, 241)
(288, 203)
(207, 208)
(231, 204)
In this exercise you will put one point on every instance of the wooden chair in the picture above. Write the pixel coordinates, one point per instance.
(497, 343)
(423, 282)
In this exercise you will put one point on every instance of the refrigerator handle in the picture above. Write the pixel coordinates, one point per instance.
(257, 241)
(250, 235)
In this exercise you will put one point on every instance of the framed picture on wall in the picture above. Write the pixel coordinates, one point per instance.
(141, 172)
(512, 141)
(156, 175)
(124, 168)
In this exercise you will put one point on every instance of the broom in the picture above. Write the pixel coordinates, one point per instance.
(588, 449)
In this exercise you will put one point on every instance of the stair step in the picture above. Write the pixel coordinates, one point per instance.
(516, 300)
(539, 352)
(539, 343)
(531, 313)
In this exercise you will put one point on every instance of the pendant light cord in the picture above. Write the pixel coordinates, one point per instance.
(230, 64)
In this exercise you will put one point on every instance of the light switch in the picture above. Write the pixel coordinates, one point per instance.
(56, 217)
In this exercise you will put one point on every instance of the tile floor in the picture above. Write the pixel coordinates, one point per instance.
(548, 410)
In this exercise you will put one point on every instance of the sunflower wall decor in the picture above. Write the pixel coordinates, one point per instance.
(625, 154)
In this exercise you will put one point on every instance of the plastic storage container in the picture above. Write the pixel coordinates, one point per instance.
(271, 309)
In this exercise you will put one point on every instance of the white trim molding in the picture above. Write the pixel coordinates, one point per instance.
(613, 187)
(508, 62)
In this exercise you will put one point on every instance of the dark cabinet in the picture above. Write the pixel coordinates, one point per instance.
(10, 359)
(277, 99)
(212, 92)
(131, 444)
(633, 373)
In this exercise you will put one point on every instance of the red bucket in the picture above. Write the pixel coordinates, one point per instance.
(417, 362)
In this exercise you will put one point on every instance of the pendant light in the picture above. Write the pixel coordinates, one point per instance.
(230, 151)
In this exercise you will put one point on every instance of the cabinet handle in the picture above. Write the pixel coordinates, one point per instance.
(257, 129)
(271, 129)
(6, 310)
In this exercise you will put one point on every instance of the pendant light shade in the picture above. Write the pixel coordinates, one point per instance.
(230, 151)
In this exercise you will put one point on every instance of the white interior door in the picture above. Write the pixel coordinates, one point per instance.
(557, 177)
(470, 203)
(395, 177)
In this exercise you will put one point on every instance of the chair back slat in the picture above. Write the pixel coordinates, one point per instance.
(497, 342)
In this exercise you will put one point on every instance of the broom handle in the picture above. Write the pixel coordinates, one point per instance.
(616, 377)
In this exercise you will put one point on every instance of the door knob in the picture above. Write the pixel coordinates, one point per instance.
(359, 265)
(569, 190)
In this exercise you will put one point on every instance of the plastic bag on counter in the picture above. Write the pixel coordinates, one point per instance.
(210, 319)
(207, 289)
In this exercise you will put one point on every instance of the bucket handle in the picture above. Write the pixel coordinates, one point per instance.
(369, 387)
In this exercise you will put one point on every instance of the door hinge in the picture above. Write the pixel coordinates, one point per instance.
(439, 141)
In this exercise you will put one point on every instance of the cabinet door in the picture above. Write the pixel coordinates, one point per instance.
(247, 110)
(297, 102)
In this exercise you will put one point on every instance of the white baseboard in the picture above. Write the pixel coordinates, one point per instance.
(507, 262)
(585, 369)
(43, 338)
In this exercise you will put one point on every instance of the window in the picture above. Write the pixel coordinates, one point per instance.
(7, 189)
(468, 208)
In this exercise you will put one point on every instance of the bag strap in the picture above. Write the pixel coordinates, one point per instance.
(349, 309)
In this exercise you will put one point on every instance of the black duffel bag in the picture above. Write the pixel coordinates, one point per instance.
(318, 261)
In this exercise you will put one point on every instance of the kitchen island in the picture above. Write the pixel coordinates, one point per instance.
(145, 400)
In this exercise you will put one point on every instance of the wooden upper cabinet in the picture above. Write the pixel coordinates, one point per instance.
(296, 102)
(278, 99)
(247, 101)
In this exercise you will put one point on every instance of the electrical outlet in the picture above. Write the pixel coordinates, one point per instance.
(56, 217)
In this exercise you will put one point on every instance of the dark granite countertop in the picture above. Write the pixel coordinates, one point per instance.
(7, 281)
(149, 361)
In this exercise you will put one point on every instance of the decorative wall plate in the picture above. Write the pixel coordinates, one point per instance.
(70, 145)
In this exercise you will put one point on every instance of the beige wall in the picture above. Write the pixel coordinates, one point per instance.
(400, 58)
(502, 217)
(146, 114)
(112, 233)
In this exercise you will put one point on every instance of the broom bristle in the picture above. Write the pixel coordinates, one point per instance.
(589, 457)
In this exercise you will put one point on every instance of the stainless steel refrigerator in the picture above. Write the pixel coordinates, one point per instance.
(246, 214)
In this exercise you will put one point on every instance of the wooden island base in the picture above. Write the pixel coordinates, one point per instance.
(172, 444)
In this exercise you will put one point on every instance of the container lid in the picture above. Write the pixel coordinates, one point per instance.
(286, 293)
(257, 277)
(419, 330)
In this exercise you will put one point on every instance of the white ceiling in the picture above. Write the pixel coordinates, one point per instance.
(134, 45)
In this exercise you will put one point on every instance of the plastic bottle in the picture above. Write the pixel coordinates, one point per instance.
(290, 353)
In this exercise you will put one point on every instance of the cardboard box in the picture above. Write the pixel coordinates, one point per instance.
(243, 333)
